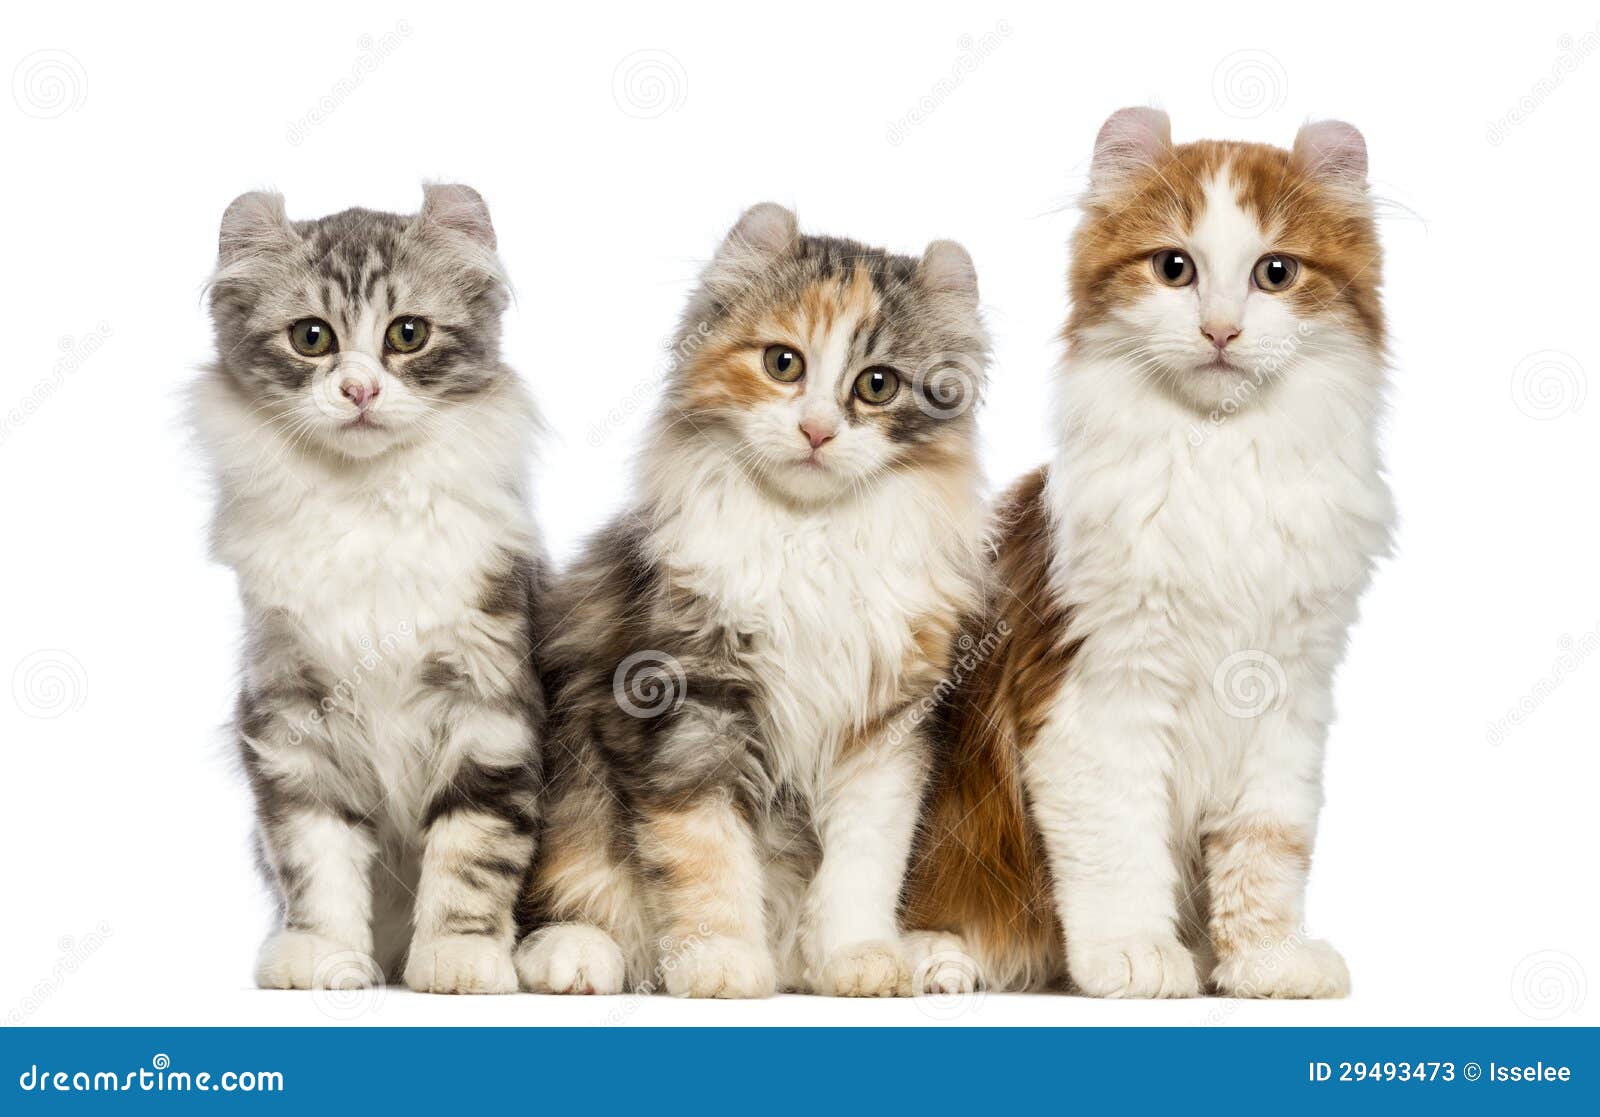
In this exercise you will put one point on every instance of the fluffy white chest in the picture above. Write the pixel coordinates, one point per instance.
(356, 565)
(371, 579)
(829, 599)
(1222, 571)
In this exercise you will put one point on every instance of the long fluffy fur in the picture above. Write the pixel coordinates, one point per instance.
(735, 753)
(390, 705)
(1132, 794)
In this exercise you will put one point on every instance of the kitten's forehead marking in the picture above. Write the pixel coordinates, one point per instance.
(1226, 239)
(368, 328)
(849, 304)
(831, 317)
(354, 251)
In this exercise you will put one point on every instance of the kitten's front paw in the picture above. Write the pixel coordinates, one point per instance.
(1156, 967)
(939, 964)
(461, 964)
(867, 969)
(1290, 968)
(719, 966)
(301, 960)
(570, 958)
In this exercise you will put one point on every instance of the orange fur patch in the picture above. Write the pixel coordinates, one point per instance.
(1327, 226)
(1255, 872)
(979, 869)
(703, 859)
(731, 374)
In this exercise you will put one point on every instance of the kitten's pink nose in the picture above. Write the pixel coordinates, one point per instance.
(1220, 335)
(359, 392)
(817, 432)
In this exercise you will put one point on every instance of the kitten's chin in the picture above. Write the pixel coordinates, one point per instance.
(360, 442)
(1216, 385)
(807, 483)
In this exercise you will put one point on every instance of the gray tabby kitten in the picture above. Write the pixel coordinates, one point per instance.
(369, 450)
(736, 752)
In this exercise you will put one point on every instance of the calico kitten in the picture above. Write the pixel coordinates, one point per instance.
(370, 451)
(1133, 780)
(735, 753)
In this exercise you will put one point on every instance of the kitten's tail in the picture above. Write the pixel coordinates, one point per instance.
(979, 869)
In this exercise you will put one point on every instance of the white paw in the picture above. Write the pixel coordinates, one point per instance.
(866, 969)
(719, 966)
(301, 960)
(1155, 967)
(461, 964)
(1293, 967)
(939, 964)
(570, 958)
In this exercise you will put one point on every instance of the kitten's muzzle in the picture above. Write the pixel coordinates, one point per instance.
(1220, 333)
(817, 432)
(359, 390)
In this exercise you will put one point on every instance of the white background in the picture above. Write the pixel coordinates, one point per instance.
(1457, 860)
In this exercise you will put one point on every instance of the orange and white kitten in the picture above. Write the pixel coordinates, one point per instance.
(1131, 783)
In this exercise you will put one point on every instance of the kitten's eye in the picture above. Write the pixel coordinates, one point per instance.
(877, 386)
(311, 337)
(1276, 273)
(1173, 267)
(407, 335)
(783, 363)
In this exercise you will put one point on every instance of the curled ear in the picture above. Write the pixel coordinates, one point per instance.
(1331, 149)
(763, 233)
(1130, 141)
(458, 208)
(947, 267)
(252, 223)
(765, 229)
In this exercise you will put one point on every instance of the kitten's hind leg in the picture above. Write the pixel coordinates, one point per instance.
(570, 958)
(940, 963)
(586, 931)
